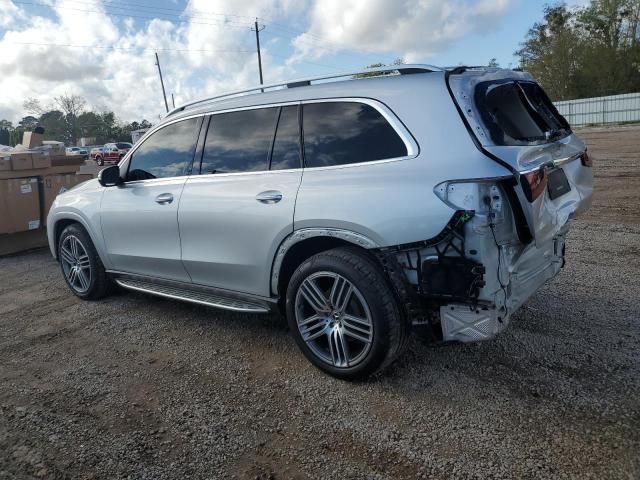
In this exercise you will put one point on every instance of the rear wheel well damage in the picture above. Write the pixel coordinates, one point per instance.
(301, 251)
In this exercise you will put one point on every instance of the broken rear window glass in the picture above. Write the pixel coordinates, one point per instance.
(519, 113)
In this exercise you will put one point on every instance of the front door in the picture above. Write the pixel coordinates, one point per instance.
(235, 214)
(140, 217)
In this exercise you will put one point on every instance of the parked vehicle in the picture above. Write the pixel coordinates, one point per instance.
(110, 152)
(362, 207)
(78, 151)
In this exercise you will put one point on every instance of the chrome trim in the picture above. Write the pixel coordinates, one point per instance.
(552, 163)
(413, 149)
(304, 233)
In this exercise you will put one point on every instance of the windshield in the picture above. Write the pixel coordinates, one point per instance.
(519, 113)
(123, 145)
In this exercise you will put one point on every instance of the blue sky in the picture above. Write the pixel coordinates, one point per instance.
(103, 49)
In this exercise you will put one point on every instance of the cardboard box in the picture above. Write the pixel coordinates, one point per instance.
(61, 160)
(32, 139)
(21, 160)
(40, 172)
(53, 185)
(19, 205)
(41, 161)
(5, 163)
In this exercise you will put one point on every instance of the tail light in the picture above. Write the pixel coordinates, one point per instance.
(586, 160)
(534, 183)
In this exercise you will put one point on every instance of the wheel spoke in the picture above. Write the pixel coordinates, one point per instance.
(313, 295)
(71, 276)
(66, 255)
(83, 262)
(338, 348)
(84, 281)
(74, 246)
(340, 293)
(355, 334)
(312, 328)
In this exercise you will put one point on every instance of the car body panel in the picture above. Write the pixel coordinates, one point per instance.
(141, 236)
(229, 238)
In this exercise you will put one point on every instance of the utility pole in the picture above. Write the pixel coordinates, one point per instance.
(166, 105)
(173, 100)
(258, 30)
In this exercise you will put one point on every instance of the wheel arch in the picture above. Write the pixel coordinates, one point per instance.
(62, 222)
(304, 243)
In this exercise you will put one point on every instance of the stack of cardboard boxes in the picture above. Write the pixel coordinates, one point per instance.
(31, 176)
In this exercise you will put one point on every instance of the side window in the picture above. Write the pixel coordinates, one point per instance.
(239, 141)
(286, 146)
(338, 133)
(166, 153)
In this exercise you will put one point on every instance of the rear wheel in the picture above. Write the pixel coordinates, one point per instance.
(99, 161)
(344, 315)
(81, 266)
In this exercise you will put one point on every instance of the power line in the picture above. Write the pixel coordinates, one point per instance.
(112, 47)
(127, 15)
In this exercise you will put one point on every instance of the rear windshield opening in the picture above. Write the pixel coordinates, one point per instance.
(519, 113)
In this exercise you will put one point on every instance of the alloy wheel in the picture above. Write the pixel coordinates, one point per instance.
(334, 319)
(75, 263)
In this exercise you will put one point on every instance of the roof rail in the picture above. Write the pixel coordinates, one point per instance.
(401, 69)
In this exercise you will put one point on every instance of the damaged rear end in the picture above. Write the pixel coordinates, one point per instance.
(507, 237)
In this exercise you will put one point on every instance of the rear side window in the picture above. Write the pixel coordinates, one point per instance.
(338, 133)
(519, 113)
(166, 153)
(239, 141)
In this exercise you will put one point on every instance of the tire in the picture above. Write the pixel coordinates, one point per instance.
(99, 161)
(340, 298)
(88, 280)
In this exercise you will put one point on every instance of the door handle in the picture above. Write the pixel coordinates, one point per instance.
(164, 198)
(270, 196)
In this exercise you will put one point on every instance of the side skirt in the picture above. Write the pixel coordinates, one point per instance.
(202, 295)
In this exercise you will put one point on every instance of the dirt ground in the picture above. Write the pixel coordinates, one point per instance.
(140, 387)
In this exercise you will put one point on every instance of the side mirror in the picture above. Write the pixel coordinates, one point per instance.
(110, 176)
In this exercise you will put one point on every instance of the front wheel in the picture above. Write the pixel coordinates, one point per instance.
(99, 161)
(81, 266)
(344, 315)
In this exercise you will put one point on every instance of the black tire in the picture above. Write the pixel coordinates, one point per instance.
(99, 161)
(98, 283)
(387, 322)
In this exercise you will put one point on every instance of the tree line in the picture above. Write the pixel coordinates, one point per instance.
(67, 120)
(585, 52)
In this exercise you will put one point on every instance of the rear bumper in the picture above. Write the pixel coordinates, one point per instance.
(521, 275)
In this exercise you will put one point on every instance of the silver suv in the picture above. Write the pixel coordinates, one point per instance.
(360, 205)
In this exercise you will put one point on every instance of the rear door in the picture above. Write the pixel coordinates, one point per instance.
(238, 210)
(140, 217)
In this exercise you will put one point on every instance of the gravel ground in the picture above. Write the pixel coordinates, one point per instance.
(141, 387)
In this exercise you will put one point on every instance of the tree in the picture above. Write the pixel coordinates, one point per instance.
(29, 122)
(72, 106)
(33, 106)
(585, 52)
(54, 124)
(493, 63)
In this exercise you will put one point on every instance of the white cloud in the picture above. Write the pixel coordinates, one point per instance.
(206, 53)
(415, 29)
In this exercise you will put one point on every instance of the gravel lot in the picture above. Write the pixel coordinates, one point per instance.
(141, 387)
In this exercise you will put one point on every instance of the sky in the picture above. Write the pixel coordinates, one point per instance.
(103, 50)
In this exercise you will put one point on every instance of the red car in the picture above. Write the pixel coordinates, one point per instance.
(110, 152)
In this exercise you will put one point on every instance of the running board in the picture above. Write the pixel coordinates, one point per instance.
(201, 297)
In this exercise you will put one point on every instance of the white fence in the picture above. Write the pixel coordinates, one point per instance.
(601, 110)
